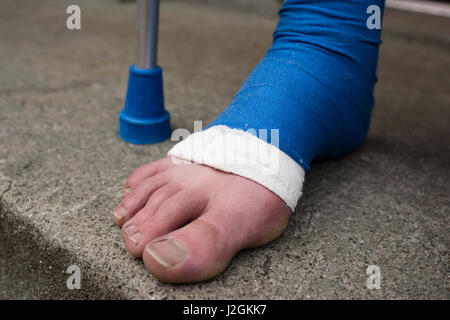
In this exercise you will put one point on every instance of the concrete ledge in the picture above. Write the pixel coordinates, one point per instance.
(61, 173)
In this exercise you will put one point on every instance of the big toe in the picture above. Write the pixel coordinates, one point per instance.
(196, 252)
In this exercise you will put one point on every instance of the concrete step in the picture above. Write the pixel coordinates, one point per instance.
(62, 166)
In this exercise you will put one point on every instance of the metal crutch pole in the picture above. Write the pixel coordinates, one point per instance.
(147, 33)
(144, 119)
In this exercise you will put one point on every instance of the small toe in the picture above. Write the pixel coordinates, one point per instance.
(159, 217)
(146, 171)
(135, 200)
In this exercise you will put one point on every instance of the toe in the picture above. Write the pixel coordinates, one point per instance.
(159, 217)
(153, 203)
(197, 252)
(137, 199)
(146, 171)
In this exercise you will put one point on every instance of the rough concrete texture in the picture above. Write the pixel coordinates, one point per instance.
(62, 166)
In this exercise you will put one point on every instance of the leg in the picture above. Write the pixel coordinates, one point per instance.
(315, 85)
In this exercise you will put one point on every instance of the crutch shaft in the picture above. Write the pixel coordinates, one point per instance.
(147, 33)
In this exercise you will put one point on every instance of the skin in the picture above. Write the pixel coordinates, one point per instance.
(206, 214)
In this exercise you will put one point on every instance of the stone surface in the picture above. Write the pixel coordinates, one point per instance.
(62, 166)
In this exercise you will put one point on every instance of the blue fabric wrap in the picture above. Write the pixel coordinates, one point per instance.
(316, 82)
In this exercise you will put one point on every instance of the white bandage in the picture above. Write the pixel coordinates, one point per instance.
(242, 153)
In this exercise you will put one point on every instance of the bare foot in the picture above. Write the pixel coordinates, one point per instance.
(187, 221)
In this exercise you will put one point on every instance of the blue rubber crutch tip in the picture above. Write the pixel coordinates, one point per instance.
(144, 119)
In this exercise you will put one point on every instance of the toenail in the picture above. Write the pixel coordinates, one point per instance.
(167, 252)
(127, 191)
(131, 229)
(120, 213)
(136, 238)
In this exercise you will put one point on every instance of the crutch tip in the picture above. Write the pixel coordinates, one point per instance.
(144, 119)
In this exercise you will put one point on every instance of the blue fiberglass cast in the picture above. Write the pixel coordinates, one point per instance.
(316, 82)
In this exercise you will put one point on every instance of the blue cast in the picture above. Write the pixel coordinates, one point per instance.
(316, 82)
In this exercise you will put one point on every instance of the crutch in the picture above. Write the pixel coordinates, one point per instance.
(144, 119)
